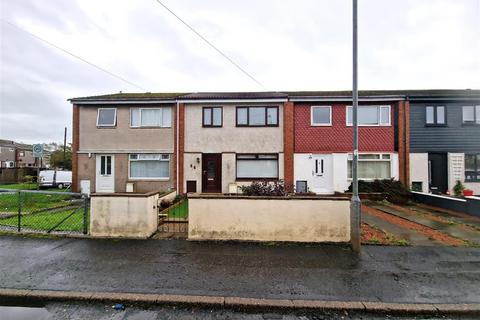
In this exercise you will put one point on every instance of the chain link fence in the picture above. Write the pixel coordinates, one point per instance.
(43, 211)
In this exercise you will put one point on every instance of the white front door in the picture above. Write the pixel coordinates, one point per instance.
(321, 181)
(105, 177)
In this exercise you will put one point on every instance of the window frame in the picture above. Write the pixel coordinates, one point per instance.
(379, 115)
(149, 178)
(256, 155)
(211, 117)
(257, 125)
(383, 157)
(114, 118)
(313, 124)
(140, 117)
(476, 116)
(477, 167)
(435, 116)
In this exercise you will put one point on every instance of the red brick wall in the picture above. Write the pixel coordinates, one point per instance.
(338, 137)
(288, 142)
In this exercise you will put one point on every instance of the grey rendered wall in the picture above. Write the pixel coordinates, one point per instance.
(455, 137)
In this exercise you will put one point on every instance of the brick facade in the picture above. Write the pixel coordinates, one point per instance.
(288, 141)
(338, 137)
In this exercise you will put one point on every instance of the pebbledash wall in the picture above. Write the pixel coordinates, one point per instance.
(227, 140)
(119, 141)
(329, 146)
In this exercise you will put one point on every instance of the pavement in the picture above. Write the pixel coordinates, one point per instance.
(225, 273)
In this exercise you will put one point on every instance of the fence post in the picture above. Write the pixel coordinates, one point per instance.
(85, 214)
(19, 211)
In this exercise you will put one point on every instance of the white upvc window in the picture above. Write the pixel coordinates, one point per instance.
(471, 114)
(321, 116)
(151, 117)
(150, 166)
(372, 166)
(257, 166)
(370, 115)
(107, 117)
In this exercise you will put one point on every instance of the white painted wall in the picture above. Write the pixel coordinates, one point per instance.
(340, 172)
(304, 170)
(269, 219)
(419, 169)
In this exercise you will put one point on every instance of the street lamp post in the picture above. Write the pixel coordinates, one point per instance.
(355, 204)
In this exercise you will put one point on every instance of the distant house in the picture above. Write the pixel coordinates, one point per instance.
(444, 139)
(7, 154)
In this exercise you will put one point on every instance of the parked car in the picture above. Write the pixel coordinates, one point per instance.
(55, 178)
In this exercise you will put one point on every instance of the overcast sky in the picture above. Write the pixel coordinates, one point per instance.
(286, 45)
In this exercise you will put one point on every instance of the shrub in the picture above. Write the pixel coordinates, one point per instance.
(394, 190)
(458, 189)
(265, 188)
(28, 179)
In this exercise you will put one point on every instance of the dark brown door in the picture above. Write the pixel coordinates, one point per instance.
(212, 172)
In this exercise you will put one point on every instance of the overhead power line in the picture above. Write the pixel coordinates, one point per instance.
(75, 56)
(211, 44)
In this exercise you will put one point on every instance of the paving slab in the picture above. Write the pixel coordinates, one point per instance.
(471, 221)
(452, 230)
(414, 238)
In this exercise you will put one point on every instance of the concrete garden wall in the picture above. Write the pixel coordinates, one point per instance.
(125, 215)
(269, 219)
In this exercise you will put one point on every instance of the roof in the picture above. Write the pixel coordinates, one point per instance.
(234, 95)
(342, 94)
(6, 143)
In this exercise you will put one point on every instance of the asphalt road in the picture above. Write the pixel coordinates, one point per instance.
(84, 311)
(325, 272)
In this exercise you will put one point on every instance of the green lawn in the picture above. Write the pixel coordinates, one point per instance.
(29, 186)
(178, 210)
(31, 202)
(47, 220)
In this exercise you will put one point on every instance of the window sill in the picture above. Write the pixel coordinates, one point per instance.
(257, 126)
(106, 127)
(151, 127)
(370, 125)
(256, 179)
(206, 126)
(147, 179)
(436, 125)
(321, 125)
(470, 124)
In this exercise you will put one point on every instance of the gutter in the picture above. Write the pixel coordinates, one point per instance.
(232, 100)
(73, 101)
(346, 98)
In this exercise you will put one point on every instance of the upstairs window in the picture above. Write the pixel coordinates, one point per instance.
(257, 116)
(107, 117)
(212, 116)
(435, 115)
(472, 168)
(370, 115)
(321, 116)
(471, 114)
(151, 117)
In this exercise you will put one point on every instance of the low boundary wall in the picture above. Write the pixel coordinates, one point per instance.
(468, 205)
(125, 215)
(298, 219)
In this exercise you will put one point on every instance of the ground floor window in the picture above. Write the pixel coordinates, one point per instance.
(372, 166)
(257, 166)
(472, 167)
(149, 166)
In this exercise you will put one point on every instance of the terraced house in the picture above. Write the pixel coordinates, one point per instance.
(216, 142)
(444, 139)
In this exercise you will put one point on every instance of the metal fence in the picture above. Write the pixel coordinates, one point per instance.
(174, 219)
(43, 211)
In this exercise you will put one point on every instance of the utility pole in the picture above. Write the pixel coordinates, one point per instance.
(64, 147)
(355, 204)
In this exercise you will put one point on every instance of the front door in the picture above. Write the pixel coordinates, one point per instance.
(212, 172)
(437, 172)
(321, 174)
(105, 173)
